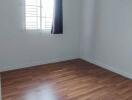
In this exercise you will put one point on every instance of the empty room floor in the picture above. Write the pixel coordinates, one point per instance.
(69, 80)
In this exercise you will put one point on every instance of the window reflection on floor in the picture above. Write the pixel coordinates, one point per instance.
(46, 92)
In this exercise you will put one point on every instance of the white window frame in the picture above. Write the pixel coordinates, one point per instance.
(41, 17)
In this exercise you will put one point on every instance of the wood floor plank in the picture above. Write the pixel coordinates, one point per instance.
(69, 80)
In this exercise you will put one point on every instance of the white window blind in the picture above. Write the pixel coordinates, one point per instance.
(39, 14)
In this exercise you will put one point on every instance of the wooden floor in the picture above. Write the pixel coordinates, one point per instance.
(70, 80)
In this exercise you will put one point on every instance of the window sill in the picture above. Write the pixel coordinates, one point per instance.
(37, 31)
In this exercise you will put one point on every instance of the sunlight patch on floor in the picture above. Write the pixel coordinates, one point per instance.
(45, 92)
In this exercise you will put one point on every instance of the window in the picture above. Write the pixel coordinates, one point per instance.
(39, 14)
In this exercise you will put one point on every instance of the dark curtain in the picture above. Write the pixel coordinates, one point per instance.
(57, 27)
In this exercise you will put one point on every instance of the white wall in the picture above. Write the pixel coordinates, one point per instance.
(19, 48)
(111, 35)
(88, 28)
(105, 29)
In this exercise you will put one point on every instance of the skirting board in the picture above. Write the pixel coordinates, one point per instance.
(107, 67)
(8, 68)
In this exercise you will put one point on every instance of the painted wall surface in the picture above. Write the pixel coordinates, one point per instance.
(111, 36)
(102, 29)
(88, 28)
(19, 48)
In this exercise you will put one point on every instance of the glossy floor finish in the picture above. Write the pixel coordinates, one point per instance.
(70, 80)
(0, 89)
